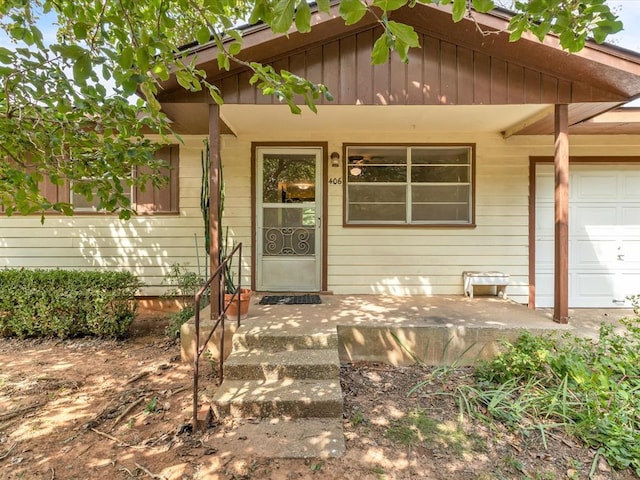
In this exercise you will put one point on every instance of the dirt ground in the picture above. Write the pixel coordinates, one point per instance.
(93, 409)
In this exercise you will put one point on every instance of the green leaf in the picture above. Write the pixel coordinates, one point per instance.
(459, 10)
(234, 48)
(72, 52)
(380, 53)
(404, 33)
(324, 5)
(352, 11)
(6, 56)
(126, 58)
(203, 35)
(389, 5)
(82, 68)
(80, 30)
(483, 6)
(215, 94)
(283, 16)
(303, 17)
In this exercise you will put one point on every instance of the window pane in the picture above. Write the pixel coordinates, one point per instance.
(440, 155)
(377, 174)
(376, 155)
(288, 178)
(377, 193)
(289, 217)
(439, 174)
(80, 202)
(379, 212)
(440, 193)
(377, 203)
(443, 212)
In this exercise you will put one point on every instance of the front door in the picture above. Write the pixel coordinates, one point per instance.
(289, 219)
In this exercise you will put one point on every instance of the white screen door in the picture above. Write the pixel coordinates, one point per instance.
(289, 213)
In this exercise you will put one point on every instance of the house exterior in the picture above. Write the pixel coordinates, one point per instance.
(479, 154)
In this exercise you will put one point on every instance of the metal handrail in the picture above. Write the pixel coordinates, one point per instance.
(199, 350)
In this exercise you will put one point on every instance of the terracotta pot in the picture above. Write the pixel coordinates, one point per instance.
(245, 300)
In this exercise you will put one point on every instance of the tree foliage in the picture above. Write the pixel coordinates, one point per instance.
(59, 121)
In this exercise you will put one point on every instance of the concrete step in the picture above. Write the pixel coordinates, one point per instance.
(286, 438)
(300, 364)
(286, 338)
(278, 398)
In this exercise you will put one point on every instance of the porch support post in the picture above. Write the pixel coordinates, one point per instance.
(214, 204)
(561, 198)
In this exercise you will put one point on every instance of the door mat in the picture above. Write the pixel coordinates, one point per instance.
(290, 300)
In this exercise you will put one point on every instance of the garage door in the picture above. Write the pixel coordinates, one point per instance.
(604, 235)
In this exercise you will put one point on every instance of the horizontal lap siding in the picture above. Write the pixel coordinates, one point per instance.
(409, 261)
(147, 245)
(360, 260)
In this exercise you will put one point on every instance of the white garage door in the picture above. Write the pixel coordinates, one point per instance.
(604, 235)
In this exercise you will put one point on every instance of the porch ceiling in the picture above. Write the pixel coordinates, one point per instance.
(262, 119)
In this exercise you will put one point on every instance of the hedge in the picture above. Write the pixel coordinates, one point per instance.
(66, 303)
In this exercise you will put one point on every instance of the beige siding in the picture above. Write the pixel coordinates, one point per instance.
(360, 260)
(425, 260)
(145, 245)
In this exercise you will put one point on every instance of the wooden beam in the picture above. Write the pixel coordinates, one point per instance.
(561, 199)
(214, 204)
(527, 122)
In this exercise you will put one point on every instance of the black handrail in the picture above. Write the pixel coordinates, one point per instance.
(198, 350)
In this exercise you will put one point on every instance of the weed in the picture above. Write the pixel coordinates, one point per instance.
(513, 463)
(183, 286)
(379, 471)
(316, 467)
(152, 405)
(591, 389)
(213, 361)
(357, 418)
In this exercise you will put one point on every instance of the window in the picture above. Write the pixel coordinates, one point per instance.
(151, 200)
(83, 204)
(416, 185)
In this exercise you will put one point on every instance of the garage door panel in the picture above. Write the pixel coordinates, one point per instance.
(593, 221)
(628, 284)
(544, 289)
(629, 186)
(630, 251)
(594, 254)
(545, 184)
(631, 217)
(593, 289)
(544, 254)
(601, 186)
(544, 221)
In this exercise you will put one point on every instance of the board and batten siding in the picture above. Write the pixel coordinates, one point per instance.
(146, 245)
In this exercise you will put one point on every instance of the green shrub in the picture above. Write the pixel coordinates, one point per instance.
(66, 303)
(592, 389)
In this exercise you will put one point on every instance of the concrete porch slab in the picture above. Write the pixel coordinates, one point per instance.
(437, 328)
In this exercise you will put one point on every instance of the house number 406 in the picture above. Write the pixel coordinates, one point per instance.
(335, 181)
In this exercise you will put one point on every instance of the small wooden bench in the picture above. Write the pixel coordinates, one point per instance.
(499, 279)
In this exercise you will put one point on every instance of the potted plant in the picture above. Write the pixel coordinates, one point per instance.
(225, 247)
